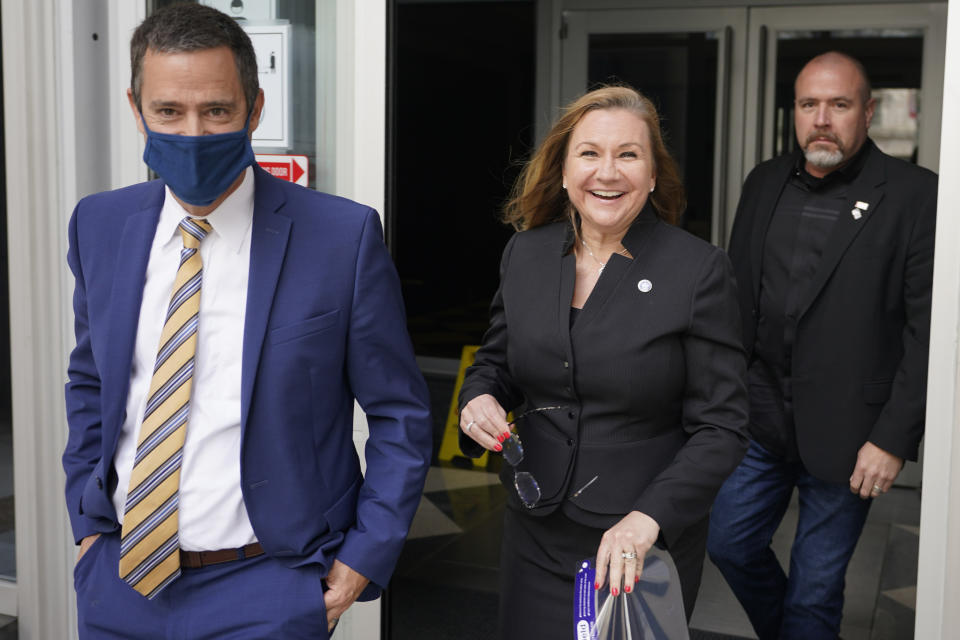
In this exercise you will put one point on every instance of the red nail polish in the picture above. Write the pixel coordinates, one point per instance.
(626, 589)
(636, 579)
(613, 591)
(500, 437)
(497, 447)
(506, 435)
(596, 585)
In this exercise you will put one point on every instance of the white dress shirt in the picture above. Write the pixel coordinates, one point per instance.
(212, 513)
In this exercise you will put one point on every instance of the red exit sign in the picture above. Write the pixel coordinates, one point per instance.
(289, 168)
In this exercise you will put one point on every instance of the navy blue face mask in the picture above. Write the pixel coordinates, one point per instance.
(198, 169)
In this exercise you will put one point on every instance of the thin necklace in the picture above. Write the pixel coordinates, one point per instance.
(622, 251)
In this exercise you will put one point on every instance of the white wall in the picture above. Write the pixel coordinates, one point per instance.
(360, 160)
(938, 581)
(41, 180)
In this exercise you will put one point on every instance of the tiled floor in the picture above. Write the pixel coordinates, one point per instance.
(8, 560)
(8, 628)
(447, 580)
(446, 585)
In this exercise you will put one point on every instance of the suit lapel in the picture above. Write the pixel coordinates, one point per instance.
(618, 268)
(126, 295)
(866, 188)
(268, 245)
(766, 205)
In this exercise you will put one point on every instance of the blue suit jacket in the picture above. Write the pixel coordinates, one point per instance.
(325, 324)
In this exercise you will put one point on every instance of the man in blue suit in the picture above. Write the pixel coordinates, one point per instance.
(225, 323)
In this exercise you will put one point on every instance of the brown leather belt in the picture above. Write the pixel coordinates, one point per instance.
(197, 559)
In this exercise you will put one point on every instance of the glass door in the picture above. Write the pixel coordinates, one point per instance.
(901, 46)
(684, 60)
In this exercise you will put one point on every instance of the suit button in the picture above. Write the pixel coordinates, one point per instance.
(99, 483)
(569, 442)
(567, 389)
(571, 415)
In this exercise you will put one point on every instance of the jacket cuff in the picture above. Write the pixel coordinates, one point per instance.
(670, 530)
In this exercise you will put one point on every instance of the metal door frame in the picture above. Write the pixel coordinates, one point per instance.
(745, 82)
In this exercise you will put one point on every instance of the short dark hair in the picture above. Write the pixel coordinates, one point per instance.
(187, 26)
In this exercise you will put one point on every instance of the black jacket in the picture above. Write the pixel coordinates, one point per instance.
(859, 359)
(653, 381)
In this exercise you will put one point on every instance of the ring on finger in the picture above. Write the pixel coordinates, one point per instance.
(629, 555)
(877, 488)
(469, 426)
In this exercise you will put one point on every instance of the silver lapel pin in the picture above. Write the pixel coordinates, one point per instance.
(859, 209)
(645, 286)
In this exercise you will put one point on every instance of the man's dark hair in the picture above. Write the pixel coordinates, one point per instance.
(185, 27)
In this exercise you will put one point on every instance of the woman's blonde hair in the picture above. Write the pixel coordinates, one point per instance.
(538, 196)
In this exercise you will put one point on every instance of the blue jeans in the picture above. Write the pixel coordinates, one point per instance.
(809, 603)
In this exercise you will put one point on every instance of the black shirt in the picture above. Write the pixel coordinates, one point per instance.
(799, 229)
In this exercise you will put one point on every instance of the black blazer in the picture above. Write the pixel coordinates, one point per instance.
(860, 352)
(653, 381)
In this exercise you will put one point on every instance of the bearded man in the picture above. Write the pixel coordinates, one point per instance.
(833, 251)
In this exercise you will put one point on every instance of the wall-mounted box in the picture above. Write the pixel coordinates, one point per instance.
(272, 45)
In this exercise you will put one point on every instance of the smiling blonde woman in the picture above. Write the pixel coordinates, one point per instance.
(628, 328)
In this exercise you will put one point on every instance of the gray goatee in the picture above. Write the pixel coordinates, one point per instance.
(823, 158)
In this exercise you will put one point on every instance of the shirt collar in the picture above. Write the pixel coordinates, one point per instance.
(231, 220)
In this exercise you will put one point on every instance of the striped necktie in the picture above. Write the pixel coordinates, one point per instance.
(149, 543)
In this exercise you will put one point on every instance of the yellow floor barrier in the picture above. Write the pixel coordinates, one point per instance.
(449, 446)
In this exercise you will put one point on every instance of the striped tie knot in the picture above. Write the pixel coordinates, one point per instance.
(193, 231)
